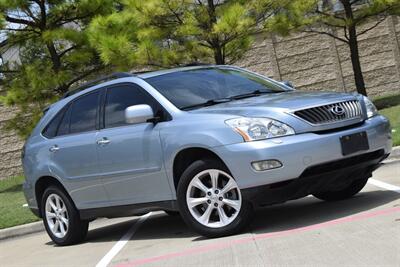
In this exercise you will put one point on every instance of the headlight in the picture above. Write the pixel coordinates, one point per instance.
(252, 129)
(371, 109)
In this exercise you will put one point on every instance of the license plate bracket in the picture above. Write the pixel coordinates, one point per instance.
(354, 142)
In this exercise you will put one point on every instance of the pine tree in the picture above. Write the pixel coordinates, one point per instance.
(161, 33)
(54, 53)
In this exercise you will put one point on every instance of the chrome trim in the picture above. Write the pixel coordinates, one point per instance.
(323, 114)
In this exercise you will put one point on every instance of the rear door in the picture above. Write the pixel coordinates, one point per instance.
(73, 152)
(130, 156)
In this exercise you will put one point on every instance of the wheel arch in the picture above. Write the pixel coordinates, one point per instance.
(187, 156)
(40, 186)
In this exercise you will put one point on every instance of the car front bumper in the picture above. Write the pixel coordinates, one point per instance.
(297, 153)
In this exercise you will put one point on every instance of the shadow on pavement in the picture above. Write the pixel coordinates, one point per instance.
(310, 211)
(291, 215)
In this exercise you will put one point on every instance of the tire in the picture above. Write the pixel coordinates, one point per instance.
(55, 213)
(217, 225)
(347, 192)
(172, 213)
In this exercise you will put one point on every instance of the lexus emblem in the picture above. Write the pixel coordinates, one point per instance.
(337, 110)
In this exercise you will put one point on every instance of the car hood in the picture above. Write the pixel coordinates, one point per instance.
(277, 102)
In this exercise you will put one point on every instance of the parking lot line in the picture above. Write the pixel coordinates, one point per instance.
(230, 243)
(122, 242)
(384, 185)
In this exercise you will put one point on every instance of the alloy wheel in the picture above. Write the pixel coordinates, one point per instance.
(213, 198)
(57, 215)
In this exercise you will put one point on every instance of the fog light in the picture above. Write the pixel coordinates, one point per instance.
(264, 165)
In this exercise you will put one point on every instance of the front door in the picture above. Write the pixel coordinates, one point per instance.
(130, 156)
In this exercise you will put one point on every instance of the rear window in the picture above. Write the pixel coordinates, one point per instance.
(51, 129)
(78, 116)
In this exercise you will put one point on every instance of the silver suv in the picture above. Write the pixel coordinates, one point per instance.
(208, 142)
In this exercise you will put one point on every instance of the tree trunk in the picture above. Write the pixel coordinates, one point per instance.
(54, 57)
(355, 61)
(353, 44)
(218, 56)
(216, 46)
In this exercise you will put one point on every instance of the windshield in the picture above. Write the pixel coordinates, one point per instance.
(194, 87)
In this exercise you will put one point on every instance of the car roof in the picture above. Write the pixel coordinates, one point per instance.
(150, 74)
(117, 77)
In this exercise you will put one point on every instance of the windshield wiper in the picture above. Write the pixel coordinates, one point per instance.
(226, 99)
(207, 103)
(251, 94)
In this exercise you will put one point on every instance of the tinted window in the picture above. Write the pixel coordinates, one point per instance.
(119, 98)
(51, 129)
(83, 113)
(191, 87)
(64, 125)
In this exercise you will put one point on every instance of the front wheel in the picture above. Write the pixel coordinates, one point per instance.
(347, 192)
(172, 213)
(61, 219)
(210, 200)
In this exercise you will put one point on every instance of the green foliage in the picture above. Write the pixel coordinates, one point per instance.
(387, 101)
(321, 16)
(31, 90)
(392, 114)
(54, 51)
(162, 33)
(114, 36)
(11, 199)
(296, 15)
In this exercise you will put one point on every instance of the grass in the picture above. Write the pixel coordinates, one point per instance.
(389, 106)
(11, 200)
(393, 114)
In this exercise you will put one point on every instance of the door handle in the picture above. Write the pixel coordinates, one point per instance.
(54, 148)
(103, 141)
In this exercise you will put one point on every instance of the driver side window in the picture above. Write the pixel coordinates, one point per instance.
(120, 97)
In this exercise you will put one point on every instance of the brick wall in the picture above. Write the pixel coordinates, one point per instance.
(318, 62)
(10, 147)
(310, 61)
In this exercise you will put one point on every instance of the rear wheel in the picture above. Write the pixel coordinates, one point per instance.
(347, 192)
(61, 219)
(210, 200)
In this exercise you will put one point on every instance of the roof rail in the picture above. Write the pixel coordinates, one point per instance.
(86, 85)
(192, 64)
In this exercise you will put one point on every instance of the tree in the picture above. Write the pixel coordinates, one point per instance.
(173, 32)
(54, 53)
(338, 19)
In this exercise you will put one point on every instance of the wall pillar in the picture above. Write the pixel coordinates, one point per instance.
(395, 42)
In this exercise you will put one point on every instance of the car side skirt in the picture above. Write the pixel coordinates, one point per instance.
(127, 210)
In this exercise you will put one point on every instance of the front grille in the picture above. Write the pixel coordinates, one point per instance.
(331, 113)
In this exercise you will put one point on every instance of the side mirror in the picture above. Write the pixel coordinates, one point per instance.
(288, 84)
(138, 114)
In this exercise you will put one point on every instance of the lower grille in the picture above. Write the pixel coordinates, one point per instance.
(331, 113)
(343, 163)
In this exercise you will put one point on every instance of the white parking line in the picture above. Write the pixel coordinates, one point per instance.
(124, 239)
(384, 185)
(122, 242)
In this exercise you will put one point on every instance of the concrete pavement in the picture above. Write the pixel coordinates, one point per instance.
(361, 231)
